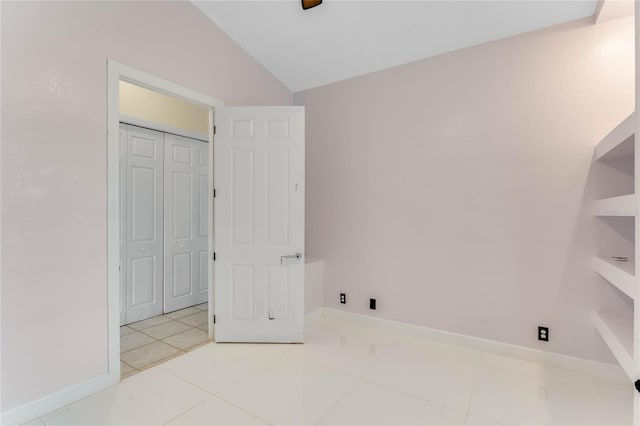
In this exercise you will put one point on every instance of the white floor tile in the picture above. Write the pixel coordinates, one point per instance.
(351, 355)
(477, 421)
(554, 374)
(368, 404)
(151, 397)
(288, 391)
(517, 399)
(34, 422)
(215, 366)
(215, 411)
(345, 373)
(439, 373)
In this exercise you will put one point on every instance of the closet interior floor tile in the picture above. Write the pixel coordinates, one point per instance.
(155, 340)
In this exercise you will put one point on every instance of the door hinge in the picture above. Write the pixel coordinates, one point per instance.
(214, 129)
(214, 319)
(214, 256)
(214, 193)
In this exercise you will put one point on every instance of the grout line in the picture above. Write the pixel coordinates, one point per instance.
(242, 409)
(475, 381)
(473, 388)
(355, 382)
(249, 372)
(212, 395)
(139, 347)
(162, 361)
(326, 367)
(358, 380)
(188, 409)
(411, 395)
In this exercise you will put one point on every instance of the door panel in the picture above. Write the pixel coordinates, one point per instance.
(259, 218)
(144, 223)
(242, 184)
(186, 224)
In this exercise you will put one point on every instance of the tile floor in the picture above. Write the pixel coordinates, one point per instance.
(349, 374)
(147, 343)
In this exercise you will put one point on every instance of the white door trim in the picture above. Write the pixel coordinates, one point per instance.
(116, 72)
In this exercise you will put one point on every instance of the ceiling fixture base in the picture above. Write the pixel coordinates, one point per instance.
(308, 4)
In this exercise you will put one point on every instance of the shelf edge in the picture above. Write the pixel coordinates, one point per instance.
(618, 277)
(617, 348)
(619, 134)
(624, 205)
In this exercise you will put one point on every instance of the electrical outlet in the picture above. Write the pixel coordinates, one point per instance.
(372, 304)
(343, 298)
(543, 334)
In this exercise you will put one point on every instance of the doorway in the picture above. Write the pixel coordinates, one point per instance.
(259, 217)
(185, 319)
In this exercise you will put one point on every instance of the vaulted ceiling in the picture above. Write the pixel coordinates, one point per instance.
(341, 39)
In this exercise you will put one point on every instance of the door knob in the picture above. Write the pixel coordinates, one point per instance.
(296, 256)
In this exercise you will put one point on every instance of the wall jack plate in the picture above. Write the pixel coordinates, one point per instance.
(543, 334)
(372, 304)
(343, 298)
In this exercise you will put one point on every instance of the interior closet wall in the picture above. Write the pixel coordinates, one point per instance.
(164, 222)
(151, 106)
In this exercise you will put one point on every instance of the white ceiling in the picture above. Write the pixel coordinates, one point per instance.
(341, 39)
(613, 9)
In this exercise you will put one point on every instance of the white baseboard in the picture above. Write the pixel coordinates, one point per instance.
(313, 315)
(594, 368)
(49, 403)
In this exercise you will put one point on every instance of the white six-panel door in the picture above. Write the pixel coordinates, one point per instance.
(259, 224)
(186, 222)
(144, 222)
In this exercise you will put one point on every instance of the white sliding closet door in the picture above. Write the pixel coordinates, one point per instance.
(144, 220)
(186, 223)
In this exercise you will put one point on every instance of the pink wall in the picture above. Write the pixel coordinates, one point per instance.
(54, 151)
(456, 190)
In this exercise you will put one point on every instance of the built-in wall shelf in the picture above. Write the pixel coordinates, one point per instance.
(619, 274)
(619, 142)
(618, 207)
(617, 332)
(624, 205)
